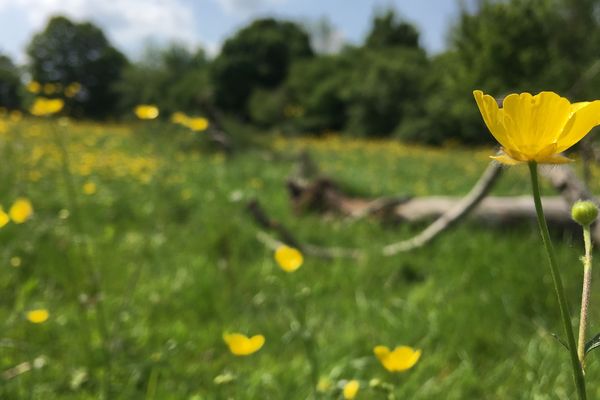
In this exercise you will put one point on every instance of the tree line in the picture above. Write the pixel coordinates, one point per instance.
(269, 74)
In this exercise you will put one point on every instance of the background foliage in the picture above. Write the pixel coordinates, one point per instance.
(268, 74)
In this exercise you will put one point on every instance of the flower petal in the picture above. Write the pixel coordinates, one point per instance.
(490, 113)
(585, 117)
(405, 357)
(535, 121)
(506, 159)
(351, 389)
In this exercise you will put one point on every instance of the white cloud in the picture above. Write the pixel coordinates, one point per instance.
(127, 22)
(246, 6)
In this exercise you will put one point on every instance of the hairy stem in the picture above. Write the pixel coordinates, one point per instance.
(585, 294)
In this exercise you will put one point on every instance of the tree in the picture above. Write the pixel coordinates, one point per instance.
(258, 56)
(9, 84)
(67, 52)
(385, 90)
(173, 78)
(390, 31)
(510, 46)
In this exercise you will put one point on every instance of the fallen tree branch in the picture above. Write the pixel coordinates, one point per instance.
(453, 215)
(262, 219)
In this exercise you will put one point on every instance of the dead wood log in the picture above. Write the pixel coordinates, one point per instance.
(451, 215)
(262, 219)
(324, 195)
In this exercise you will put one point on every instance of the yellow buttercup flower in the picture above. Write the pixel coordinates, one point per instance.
(38, 316)
(4, 218)
(34, 87)
(146, 111)
(288, 258)
(43, 106)
(15, 116)
(89, 188)
(197, 124)
(179, 118)
(72, 89)
(21, 210)
(401, 359)
(351, 389)
(51, 88)
(242, 345)
(536, 128)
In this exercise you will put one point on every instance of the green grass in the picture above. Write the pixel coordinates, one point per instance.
(178, 263)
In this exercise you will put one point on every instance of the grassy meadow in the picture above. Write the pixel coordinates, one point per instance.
(142, 252)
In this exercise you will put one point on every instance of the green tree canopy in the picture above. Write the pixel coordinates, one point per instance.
(66, 52)
(510, 46)
(9, 84)
(258, 56)
(173, 78)
(388, 30)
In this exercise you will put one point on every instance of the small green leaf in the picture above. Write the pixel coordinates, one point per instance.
(559, 340)
(592, 343)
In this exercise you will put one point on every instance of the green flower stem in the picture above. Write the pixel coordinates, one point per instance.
(585, 294)
(558, 286)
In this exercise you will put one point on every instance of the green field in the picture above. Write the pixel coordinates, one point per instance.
(143, 274)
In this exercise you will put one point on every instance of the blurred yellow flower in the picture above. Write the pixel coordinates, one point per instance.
(89, 188)
(4, 218)
(21, 210)
(38, 316)
(146, 111)
(401, 359)
(179, 118)
(536, 128)
(351, 389)
(51, 88)
(34, 87)
(72, 89)
(241, 345)
(288, 258)
(43, 106)
(16, 116)
(197, 124)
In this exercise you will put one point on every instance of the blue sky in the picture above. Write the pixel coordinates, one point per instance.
(130, 24)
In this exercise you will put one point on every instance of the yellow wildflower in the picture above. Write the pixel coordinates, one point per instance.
(15, 262)
(4, 218)
(288, 258)
(72, 89)
(197, 124)
(536, 128)
(15, 116)
(401, 359)
(38, 316)
(242, 345)
(21, 210)
(89, 188)
(34, 87)
(351, 389)
(43, 106)
(51, 88)
(146, 111)
(179, 118)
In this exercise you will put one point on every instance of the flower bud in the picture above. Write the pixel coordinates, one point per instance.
(584, 212)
